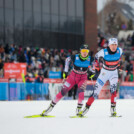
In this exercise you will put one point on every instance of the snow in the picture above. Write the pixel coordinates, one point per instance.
(12, 119)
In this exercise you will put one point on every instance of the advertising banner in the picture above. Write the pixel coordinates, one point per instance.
(14, 70)
(127, 90)
(55, 75)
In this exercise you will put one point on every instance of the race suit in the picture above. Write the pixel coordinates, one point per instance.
(77, 76)
(108, 72)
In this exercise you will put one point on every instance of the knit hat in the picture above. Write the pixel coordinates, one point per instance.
(112, 41)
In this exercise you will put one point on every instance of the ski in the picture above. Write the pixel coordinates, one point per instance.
(39, 116)
(116, 116)
(78, 116)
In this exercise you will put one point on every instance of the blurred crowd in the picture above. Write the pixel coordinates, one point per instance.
(42, 60)
(39, 60)
(128, 41)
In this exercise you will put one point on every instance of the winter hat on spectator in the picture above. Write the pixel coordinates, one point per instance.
(28, 48)
(33, 58)
(112, 41)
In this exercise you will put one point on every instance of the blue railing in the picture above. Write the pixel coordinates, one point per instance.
(21, 91)
(127, 92)
(40, 91)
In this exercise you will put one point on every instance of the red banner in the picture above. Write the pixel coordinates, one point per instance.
(14, 70)
(3, 80)
(52, 80)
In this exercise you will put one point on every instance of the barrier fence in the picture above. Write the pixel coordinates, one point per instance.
(50, 87)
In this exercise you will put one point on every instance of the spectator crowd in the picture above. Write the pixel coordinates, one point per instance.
(42, 60)
(39, 60)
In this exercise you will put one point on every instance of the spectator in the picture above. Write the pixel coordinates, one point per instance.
(1, 52)
(22, 57)
(39, 78)
(132, 40)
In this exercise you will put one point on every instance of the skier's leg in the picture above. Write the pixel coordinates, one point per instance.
(69, 83)
(98, 86)
(113, 89)
(103, 77)
(66, 87)
(81, 88)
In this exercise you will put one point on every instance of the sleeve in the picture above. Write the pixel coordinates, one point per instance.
(99, 54)
(121, 51)
(120, 61)
(67, 62)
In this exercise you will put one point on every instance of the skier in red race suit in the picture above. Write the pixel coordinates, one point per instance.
(78, 75)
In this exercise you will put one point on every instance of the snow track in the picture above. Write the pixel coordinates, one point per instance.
(12, 119)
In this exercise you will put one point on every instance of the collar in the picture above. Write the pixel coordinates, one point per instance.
(83, 58)
(110, 52)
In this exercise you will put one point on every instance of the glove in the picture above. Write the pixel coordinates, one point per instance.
(91, 75)
(64, 75)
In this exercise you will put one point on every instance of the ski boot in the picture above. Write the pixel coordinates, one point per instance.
(78, 109)
(113, 110)
(49, 109)
(84, 111)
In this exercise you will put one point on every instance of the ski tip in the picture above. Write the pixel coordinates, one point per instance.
(77, 116)
(116, 116)
(39, 116)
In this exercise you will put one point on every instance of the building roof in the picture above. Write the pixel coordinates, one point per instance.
(126, 10)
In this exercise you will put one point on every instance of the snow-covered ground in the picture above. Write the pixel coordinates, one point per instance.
(12, 119)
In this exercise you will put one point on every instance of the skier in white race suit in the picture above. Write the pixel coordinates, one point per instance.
(111, 61)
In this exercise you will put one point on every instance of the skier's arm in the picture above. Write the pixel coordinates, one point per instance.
(67, 63)
(98, 60)
(91, 73)
(120, 61)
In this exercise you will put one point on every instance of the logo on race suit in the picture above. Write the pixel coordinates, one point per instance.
(100, 82)
(103, 73)
(106, 53)
(81, 68)
(67, 84)
(88, 59)
(118, 51)
(77, 58)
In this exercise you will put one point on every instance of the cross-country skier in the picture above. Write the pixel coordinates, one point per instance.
(78, 75)
(111, 61)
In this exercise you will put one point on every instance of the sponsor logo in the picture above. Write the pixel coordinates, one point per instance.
(88, 59)
(106, 53)
(12, 71)
(23, 66)
(77, 58)
(100, 82)
(11, 66)
(103, 73)
(67, 84)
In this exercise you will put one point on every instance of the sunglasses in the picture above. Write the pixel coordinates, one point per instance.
(85, 50)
